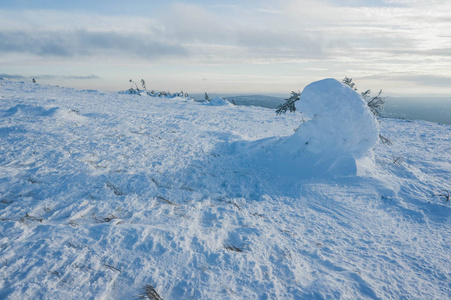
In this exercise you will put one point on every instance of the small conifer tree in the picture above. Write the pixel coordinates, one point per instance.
(132, 90)
(375, 103)
(143, 83)
(289, 104)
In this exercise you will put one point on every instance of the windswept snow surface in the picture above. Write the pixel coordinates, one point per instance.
(102, 195)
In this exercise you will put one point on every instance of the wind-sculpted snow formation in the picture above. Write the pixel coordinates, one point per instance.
(336, 139)
(340, 121)
(217, 101)
(112, 196)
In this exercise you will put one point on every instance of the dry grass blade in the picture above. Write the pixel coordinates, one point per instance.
(56, 273)
(384, 140)
(232, 248)
(150, 293)
(24, 220)
(397, 160)
(166, 200)
(115, 190)
(444, 194)
(112, 268)
(107, 219)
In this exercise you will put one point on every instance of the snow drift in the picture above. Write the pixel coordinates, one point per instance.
(337, 140)
(218, 101)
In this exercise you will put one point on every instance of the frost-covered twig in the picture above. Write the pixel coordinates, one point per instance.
(397, 159)
(232, 248)
(384, 140)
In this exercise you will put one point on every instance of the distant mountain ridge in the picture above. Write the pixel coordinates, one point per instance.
(257, 100)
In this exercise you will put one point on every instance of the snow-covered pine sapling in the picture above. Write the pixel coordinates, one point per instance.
(206, 97)
(289, 104)
(132, 90)
(375, 103)
(143, 83)
(183, 94)
(348, 82)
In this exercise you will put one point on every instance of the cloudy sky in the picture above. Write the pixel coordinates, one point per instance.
(229, 46)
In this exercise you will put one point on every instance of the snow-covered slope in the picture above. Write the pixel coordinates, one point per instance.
(103, 195)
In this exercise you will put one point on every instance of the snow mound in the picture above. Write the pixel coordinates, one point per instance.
(337, 140)
(218, 101)
(341, 121)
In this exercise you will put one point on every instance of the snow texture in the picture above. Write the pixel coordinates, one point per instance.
(103, 195)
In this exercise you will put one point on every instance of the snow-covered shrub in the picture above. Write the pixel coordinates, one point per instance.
(375, 103)
(289, 104)
(143, 84)
(134, 90)
(340, 120)
(336, 140)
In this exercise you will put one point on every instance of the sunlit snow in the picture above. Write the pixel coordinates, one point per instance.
(103, 195)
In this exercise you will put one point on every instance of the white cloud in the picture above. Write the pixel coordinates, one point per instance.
(359, 36)
(85, 43)
(51, 20)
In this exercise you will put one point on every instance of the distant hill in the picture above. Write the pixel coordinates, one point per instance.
(257, 100)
